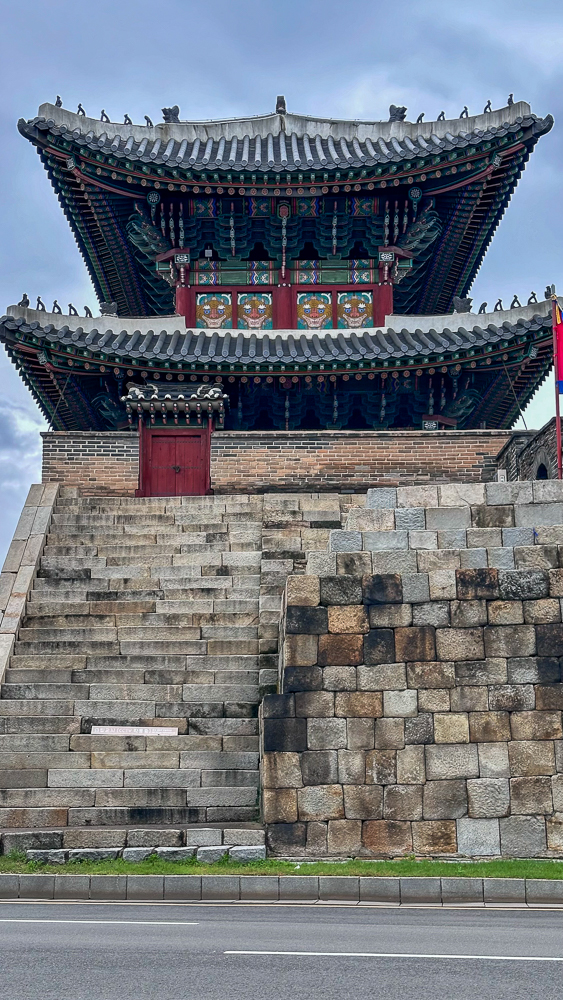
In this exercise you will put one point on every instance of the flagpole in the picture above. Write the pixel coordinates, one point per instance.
(556, 371)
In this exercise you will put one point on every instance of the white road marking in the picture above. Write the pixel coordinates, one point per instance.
(151, 923)
(384, 954)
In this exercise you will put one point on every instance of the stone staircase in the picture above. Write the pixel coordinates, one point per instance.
(148, 613)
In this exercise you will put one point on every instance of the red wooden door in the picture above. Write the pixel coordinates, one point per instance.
(174, 463)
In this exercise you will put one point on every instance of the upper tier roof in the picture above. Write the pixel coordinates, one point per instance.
(279, 142)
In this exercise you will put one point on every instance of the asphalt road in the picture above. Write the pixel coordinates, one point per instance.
(85, 951)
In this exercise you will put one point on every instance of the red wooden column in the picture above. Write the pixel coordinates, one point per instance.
(382, 301)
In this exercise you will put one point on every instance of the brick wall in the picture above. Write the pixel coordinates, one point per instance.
(99, 462)
(256, 461)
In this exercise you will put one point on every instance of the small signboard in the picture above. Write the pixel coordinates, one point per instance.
(386, 256)
(134, 730)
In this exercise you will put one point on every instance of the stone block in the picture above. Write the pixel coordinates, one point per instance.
(31, 840)
(469, 699)
(434, 700)
(303, 590)
(455, 538)
(298, 888)
(381, 767)
(378, 889)
(543, 892)
(386, 563)
(382, 677)
(318, 767)
(312, 621)
(341, 590)
(420, 730)
(360, 704)
(416, 588)
(285, 735)
(493, 760)
(381, 588)
(317, 703)
(279, 805)
(320, 802)
(278, 706)
(384, 541)
(461, 494)
(345, 541)
(522, 836)
(508, 493)
(136, 854)
(352, 563)
(523, 584)
(456, 761)
(555, 582)
(423, 539)
(500, 558)
(337, 650)
(379, 646)
(430, 561)
(430, 674)
(549, 697)
(462, 890)
(481, 672)
(146, 886)
(416, 643)
(93, 854)
(300, 650)
(339, 678)
(220, 887)
(444, 518)
(451, 727)
(532, 515)
(536, 557)
(411, 766)
(436, 613)
(473, 558)
(345, 618)
(360, 734)
(326, 734)
(488, 797)
(37, 887)
(391, 615)
(478, 838)
(9, 886)
(400, 704)
(531, 795)
(444, 799)
(370, 519)
(434, 837)
(389, 734)
(246, 854)
(387, 837)
(321, 563)
(402, 802)
(536, 725)
(336, 887)
(382, 498)
(477, 584)
(460, 644)
(512, 698)
(175, 853)
(417, 496)
(544, 612)
(210, 855)
(505, 613)
(410, 519)
(484, 538)
(534, 670)
(363, 802)
(351, 767)
(549, 639)
(286, 838)
(281, 770)
(418, 890)
(442, 585)
(531, 757)
(489, 727)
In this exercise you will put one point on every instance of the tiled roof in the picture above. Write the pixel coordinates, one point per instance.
(166, 339)
(281, 141)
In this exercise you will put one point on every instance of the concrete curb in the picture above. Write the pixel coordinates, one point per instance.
(285, 889)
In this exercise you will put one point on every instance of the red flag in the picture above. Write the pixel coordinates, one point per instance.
(558, 342)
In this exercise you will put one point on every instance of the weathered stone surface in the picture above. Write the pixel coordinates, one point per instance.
(436, 613)
(549, 697)
(448, 517)
(382, 498)
(281, 770)
(345, 541)
(399, 704)
(382, 677)
(300, 650)
(512, 698)
(280, 805)
(390, 615)
(433, 674)
(312, 621)
(534, 670)
(445, 799)
(321, 802)
(488, 727)
(370, 519)
(351, 767)
(416, 588)
(387, 837)
(360, 704)
(475, 584)
(506, 613)
(460, 644)
(326, 734)
(360, 734)
(336, 650)
(389, 734)
(348, 618)
(416, 643)
(278, 706)
(417, 496)
(511, 640)
(536, 726)
(488, 797)
(493, 760)
(536, 556)
(363, 802)
(457, 761)
(318, 767)
(303, 678)
(523, 584)
(499, 516)
(473, 558)
(402, 802)
(379, 646)
(285, 735)
(522, 836)
(478, 837)
(385, 541)
(286, 838)
(531, 757)
(437, 560)
(344, 837)
(341, 590)
(411, 768)
(352, 564)
(434, 699)
(410, 519)
(481, 672)
(423, 539)
(442, 586)
(420, 730)
(469, 699)
(434, 837)
(530, 795)
(454, 538)
(451, 727)
(549, 639)
(484, 538)
(544, 612)
(461, 494)
(382, 588)
(317, 703)
(339, 678)
(303, 590)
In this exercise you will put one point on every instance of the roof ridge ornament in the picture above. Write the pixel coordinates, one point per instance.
(171, 115)
(281, 108)
(58, 102)
(149, 122)
(397, 113)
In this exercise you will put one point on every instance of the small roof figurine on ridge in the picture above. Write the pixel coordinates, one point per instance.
(397, 114)
(58, 102)
(171, 115)
(280, 105)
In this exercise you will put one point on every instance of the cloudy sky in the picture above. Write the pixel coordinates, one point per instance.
(222, 58)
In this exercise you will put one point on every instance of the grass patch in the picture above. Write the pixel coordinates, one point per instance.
(543, 869)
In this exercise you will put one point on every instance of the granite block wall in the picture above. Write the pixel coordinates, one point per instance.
(420, 693)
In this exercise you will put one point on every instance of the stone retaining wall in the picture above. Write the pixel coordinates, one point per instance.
(420, 679)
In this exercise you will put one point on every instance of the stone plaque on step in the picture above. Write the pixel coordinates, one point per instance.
(134, 730)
